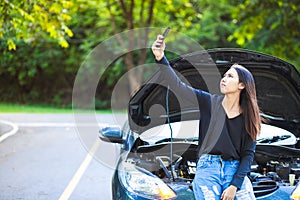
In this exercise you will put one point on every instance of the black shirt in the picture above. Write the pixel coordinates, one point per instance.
(229, 143)
(233, 142)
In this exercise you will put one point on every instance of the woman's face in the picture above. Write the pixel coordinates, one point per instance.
(230, 82)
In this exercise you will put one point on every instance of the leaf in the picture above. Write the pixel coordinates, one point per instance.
(11, 45)
(37, 7)
(34, 20)
(63, 43)
(55, 8)
(240, 41)
(275, 25)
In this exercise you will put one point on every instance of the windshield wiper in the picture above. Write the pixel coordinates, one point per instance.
(194, 139)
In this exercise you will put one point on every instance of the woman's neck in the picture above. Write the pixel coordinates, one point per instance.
(231, 105)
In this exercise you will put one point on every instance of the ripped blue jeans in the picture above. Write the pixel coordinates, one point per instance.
(214, 175)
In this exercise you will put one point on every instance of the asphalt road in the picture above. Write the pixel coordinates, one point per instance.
(49, 159)
(53, 156)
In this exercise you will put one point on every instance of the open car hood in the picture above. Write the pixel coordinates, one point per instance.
(277, 85)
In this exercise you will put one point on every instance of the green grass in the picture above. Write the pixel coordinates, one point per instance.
(17, 108)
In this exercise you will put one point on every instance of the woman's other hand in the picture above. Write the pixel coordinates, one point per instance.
(229, 193)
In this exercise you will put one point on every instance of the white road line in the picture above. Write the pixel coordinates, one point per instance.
(14, 130)
(52, 124)
(45, 124)
(76, 178)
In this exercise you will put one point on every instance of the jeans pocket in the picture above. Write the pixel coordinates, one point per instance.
(203, 164)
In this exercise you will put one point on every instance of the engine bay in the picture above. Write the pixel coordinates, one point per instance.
(178, 167)
(267, 173)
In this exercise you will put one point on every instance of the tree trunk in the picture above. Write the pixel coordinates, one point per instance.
(135, 76)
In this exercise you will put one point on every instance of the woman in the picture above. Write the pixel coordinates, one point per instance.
(221, 169)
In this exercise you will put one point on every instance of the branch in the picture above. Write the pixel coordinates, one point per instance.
(123, 6)
(143, 54)
(128, 15)
(141, 12)
(150, 16)
(113, 21)
(131, 26)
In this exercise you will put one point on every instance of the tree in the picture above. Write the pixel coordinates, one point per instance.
(35, 20)
(38, 59)
(144, 18)
(117, 16)
(30, 31)
(269, 26)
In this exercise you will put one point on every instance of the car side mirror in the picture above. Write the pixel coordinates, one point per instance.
(112, 134)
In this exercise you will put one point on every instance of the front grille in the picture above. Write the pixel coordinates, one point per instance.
(264, 186)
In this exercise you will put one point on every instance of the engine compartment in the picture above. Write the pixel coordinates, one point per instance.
(178, 167)
(267, 173)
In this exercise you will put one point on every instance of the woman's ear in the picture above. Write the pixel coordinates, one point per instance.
(241, 86)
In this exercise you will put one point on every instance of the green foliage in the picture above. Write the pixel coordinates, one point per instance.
(35, 75)
(26, 108)
(21, 108)
(34, 69)
(269, 26)
(31, 20)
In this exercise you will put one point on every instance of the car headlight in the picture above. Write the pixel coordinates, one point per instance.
(141, 182)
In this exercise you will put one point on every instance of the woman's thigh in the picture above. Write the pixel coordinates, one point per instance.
(206, 184)
(229, 169)
(246, 190)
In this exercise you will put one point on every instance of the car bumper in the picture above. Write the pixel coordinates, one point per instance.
(183, 191)
(283, 192)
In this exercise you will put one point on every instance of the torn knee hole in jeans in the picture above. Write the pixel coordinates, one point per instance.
(209, 194)
(243, 195)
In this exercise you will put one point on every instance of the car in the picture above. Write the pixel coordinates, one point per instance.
(159, 141)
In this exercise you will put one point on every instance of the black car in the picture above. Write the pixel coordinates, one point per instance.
(159, 141)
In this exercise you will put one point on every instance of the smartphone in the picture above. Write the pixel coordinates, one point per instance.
(165, 35)
(166, 32)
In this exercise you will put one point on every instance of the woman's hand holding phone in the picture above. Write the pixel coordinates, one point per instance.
(159, 45)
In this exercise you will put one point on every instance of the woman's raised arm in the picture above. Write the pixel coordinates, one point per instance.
(169, 77)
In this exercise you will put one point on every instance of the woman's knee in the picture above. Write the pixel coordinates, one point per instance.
(207, 191)
(246, 191)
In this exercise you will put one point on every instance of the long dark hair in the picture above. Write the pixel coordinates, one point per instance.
(248, 102)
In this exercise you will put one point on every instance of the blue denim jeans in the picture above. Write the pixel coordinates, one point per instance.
(214, 175)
